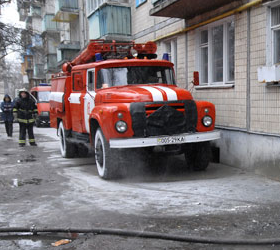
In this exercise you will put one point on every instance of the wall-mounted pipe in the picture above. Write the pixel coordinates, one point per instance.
(214, 19)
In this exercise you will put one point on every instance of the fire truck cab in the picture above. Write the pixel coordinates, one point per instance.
(117, 98)
(42, 96)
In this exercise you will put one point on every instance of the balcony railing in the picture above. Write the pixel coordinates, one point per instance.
(49, 24)
(93, 5)
(110, 22)
(66, 10)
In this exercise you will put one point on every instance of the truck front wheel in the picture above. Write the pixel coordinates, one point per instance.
(198, 155)
(104, 157)
(67, 148)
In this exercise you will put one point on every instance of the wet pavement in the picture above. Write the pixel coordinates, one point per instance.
(39, 187)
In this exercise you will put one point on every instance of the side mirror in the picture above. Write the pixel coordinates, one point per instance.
(195, 78)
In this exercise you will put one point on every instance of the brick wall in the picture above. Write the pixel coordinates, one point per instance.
(258, 113)
(265, 101)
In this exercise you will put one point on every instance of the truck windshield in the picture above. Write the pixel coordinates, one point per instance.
(43, 96)
(110, 77)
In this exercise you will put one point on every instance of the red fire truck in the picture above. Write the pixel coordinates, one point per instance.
(123, 102)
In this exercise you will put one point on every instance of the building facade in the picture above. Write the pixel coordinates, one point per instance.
(234, 45)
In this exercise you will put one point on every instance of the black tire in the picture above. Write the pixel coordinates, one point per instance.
(106, 158)
(198, 155)
(37, 123)
(67, 148)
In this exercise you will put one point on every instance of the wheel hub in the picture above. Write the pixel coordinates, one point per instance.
(99, 153)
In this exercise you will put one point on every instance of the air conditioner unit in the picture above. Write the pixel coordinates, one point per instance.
(269, 74)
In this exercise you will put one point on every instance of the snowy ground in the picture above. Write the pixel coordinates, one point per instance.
(39, 187)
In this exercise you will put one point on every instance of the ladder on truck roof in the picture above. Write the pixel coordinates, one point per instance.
(112, 50)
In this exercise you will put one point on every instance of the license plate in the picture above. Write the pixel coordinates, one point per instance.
(171, 140)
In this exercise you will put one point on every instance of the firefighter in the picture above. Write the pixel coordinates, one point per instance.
(7, 115)
(25, 109)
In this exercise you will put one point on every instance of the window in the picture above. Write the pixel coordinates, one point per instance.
(171, 49)
(139, 2)
(90, 80)
(275, 28)
(43, 96)
(111, 77)
(215, 53)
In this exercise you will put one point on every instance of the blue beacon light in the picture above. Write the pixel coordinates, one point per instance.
(98, 57)
(165, 57)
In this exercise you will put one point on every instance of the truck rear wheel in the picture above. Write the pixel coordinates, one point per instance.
(198, 155)
(67, 148)
(107, 164)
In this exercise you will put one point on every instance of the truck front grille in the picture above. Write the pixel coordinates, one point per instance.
(151, 108)
(163, 118)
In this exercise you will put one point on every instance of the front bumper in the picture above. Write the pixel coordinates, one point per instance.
(164, 140)
(43, 118)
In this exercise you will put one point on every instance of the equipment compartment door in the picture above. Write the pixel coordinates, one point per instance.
(89, 98)
(76, 102)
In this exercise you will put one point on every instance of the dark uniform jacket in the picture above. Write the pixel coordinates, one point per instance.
(26, 108)
(7, 108)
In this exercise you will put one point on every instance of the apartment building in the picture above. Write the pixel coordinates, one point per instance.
(234, 45)
(69, 14)
(32, 57)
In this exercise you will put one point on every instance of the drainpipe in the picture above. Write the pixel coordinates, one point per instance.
(248, 88)
(211, 20)
(186, 58)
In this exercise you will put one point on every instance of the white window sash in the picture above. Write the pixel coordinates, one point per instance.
(210, 53)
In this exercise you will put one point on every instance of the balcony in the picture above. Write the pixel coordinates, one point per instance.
(28, 62)
(38, 71)
(93, 5)
(66, 51)
(50, 64)
(187, 9)
(66, 10)
(49, 24)
(35, 11)
(23, 14)
(110, 22)
(37, 41)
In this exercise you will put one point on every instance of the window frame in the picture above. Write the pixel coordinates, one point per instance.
(173, 53)
(270, 60)
(210, 83)
(93, 84)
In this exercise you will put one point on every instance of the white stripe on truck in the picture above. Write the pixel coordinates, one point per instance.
(171, 94)
(57, 96)
(156, 94)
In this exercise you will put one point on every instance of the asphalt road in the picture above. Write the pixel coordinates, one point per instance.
(39, 187)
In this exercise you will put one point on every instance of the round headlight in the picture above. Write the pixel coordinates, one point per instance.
(207, 121)
(121, 126)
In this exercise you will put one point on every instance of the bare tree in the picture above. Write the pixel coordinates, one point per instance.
(12, 39)
(4, 1)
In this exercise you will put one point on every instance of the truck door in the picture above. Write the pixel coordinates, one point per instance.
(89, 98)
(76, 102)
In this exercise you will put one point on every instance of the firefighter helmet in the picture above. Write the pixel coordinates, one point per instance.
(23, 90)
